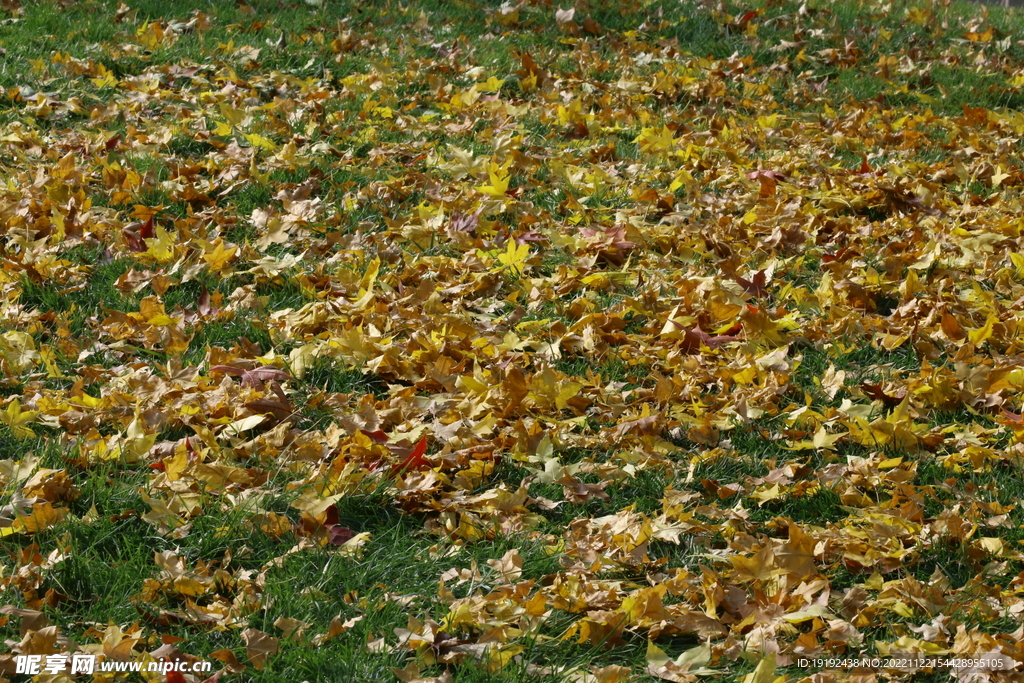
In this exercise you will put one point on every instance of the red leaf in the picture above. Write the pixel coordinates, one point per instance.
(747, 17)
(755, 287)
(1008, 417)
(529, 236)
(766, 173)
(338, 535)
(204, 307)
(415, 459)
(694, 338)
(462, 222)
(253, 378)
(175, 677)
(331, 516)
(768, 179)
(840, 255)
(577, 132)
(147, 232)
(136, 233)
(378, 436)
(876, 392)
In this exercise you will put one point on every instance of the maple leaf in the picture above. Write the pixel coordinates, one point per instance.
(876, 392)
(259, 646)
(414, 460)
(515, 256)
(261, 177)
(694, 338)
(16, 419)
(137, 233)
(685, 668)
(755, 287)
(499, 177)
(258, 141)
(656, 141)
(254, 377)
(339, 535)
(161, 245)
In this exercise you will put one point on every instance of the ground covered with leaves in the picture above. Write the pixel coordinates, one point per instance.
(451, 341)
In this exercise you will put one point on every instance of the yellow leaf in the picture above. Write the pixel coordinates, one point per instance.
(260, 141)
(999, 176)
(42, 516)
(234, 115)
(811, 612)
(685, 668)
(991, 544)
(567, 391)
(901, 608)
(16, 418)
(499, 178)
(514, 256)
(1018, 264)
(245, 424)
(657, 141)
(19, 350)
(765, 671)
(982, 333)
(161, 247)
(823, 439)
(262, 178)
(572, 114)
(745, 376)
(217, 254)
(370, 276)
(492, 84)
(766, 495)
(135, 445)
(655, 655)
(301, 358)
(49, 358)
(176, 464)
(106, 78)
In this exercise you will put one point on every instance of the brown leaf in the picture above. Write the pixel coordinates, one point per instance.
(259, 646)
(230, 660)
(255, 377)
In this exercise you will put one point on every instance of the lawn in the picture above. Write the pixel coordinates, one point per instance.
(451, 341)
